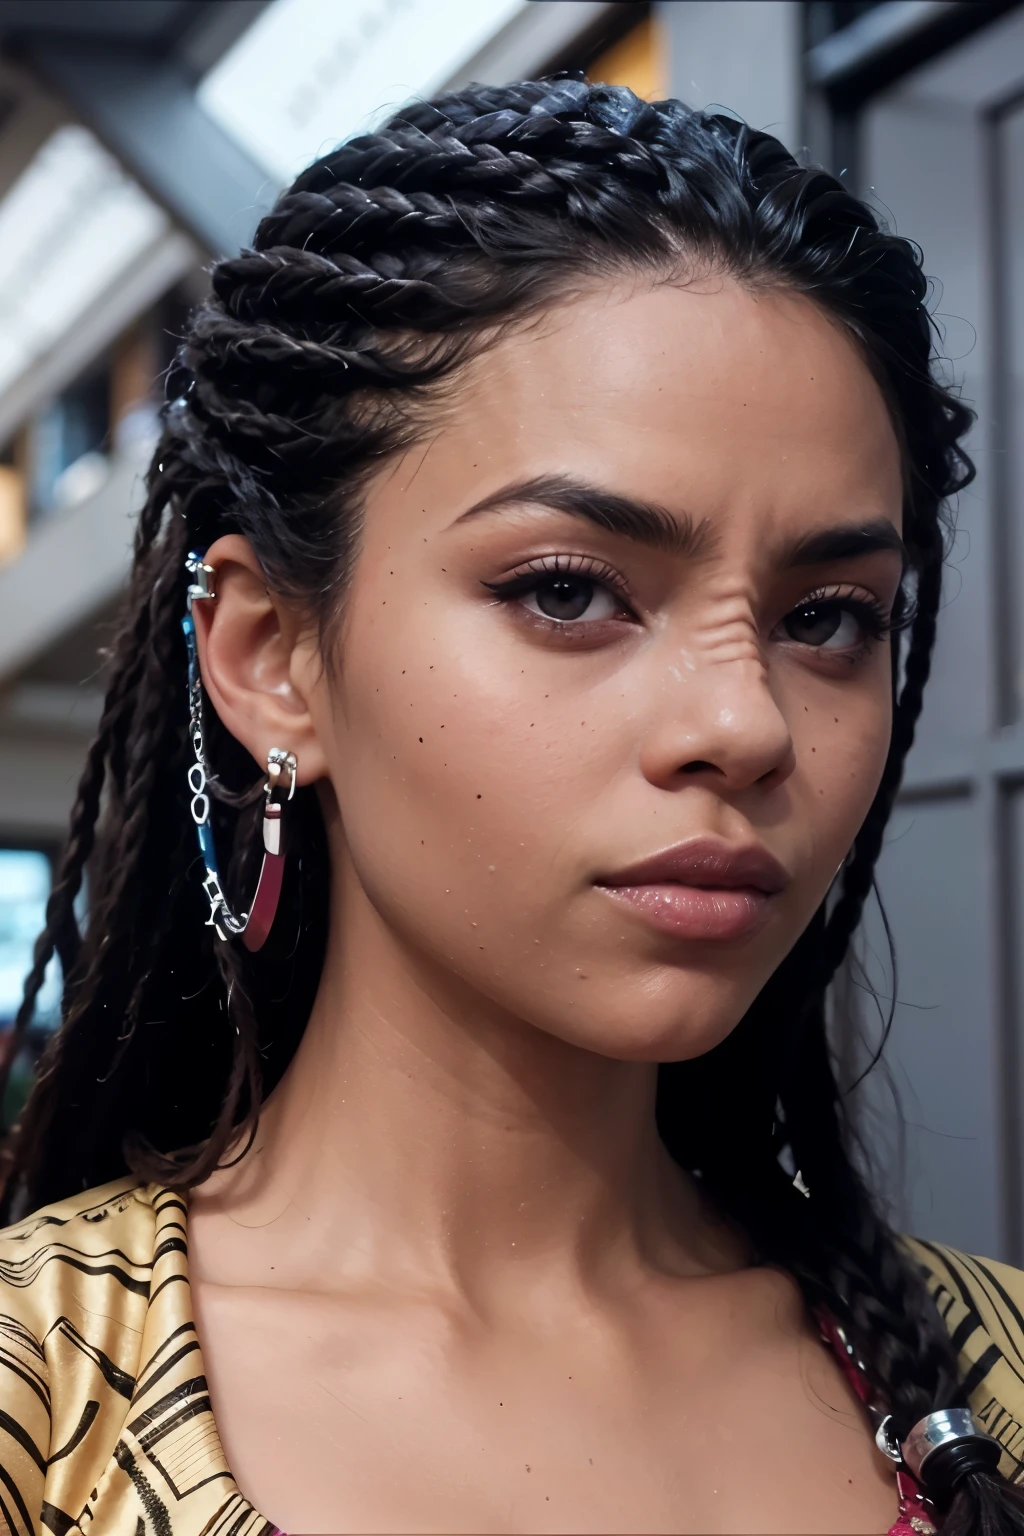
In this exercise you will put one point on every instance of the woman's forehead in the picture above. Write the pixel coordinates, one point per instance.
(707, 400)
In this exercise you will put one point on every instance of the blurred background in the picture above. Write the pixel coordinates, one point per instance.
(141, 138)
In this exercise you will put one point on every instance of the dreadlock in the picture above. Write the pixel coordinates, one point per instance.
(387, 264)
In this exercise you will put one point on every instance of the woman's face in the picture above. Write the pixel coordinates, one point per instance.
(627, 601)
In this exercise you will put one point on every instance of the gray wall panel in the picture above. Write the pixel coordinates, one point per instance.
(944, 1050)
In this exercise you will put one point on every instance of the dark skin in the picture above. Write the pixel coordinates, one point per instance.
(458, 1285)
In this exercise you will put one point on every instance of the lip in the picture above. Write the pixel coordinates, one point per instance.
(704, 888)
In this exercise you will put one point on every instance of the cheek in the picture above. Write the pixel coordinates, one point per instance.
(460, 767)
(841, 739)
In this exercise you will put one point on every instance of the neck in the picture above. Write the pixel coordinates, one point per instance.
(426, 1137)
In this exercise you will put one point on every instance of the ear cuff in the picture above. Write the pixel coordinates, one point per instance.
(251, 927)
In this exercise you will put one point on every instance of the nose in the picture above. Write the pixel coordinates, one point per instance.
(723, 725)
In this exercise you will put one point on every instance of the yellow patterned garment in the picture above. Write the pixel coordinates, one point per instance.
(105, 1419)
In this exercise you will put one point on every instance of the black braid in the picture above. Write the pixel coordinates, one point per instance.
(858, 875)
(323, 349)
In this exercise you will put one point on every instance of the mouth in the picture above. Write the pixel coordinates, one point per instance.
(702, 889)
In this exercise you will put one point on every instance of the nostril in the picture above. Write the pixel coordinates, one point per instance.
(699, 766)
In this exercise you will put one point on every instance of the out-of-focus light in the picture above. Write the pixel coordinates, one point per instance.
(70, 226)
(12, 513)
(309, 73)
(24, 888)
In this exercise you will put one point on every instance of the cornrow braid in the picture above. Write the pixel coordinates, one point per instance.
(322, 350)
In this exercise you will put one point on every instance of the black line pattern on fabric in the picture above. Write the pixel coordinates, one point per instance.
(941, 1257)
(20, 1435)
(170, 1245)
(168, 1201)
(964, 1330)
(980, 1369)
(157, 1363)
(12, 1489)
(1008, 1303)
(182, 1423)
(186, 1392)
(19, 1334)
(220, 1526)
(56, 1520)
(113, 1375)
(184, 1415)
(193, 1487)
(26, 1230)
(150, 1500)
(1003, 1427)
(244, 1526)
(168, 1365)
(966, 1263)
(82, 1428)
(237, 1517)
(22, 1272)
(170, 1280)
(967, 1299)
(40, 1388)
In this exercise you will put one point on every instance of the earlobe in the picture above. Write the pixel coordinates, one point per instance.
(249, 642)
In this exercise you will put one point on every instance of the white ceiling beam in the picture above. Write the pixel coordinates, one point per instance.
(167, 261)
(148, 115)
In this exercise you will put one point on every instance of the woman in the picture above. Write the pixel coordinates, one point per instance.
(544, 496)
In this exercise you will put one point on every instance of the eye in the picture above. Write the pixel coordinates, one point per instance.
(833, 621)
(568, 599)
(566, 591)
(827, 626)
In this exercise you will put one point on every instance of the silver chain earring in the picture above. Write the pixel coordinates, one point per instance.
(252, 926)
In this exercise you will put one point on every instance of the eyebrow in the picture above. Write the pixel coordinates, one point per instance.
(646, 522)
(847, 542)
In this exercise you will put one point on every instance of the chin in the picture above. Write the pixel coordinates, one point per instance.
(633, 1025)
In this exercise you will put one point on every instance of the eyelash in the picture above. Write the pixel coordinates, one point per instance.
(872, 615)
(535, 572)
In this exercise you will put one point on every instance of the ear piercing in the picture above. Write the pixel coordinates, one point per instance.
(252, 926)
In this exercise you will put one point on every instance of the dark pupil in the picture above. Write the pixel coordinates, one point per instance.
(567, 597)
(815, 625)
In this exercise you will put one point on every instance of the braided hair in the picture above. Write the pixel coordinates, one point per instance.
(390, 262)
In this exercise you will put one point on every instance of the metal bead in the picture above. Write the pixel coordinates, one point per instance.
(937, 1429)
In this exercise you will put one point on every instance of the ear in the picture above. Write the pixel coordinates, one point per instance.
(255, 662)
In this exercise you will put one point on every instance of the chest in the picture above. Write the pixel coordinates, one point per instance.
(343, 1419)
